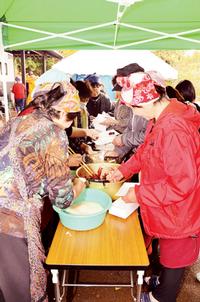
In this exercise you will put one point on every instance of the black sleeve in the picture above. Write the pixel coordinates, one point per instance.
(105, 104)
(68, 131)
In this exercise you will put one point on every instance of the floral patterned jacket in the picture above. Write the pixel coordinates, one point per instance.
(33, 163)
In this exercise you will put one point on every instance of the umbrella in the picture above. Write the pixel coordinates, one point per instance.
(51, 76)
(106, 62)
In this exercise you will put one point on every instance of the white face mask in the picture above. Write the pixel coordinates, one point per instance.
(127, 95)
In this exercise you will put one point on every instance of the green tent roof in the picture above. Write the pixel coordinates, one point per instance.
(100, 24)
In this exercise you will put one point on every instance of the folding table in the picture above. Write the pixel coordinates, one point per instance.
(116, 245)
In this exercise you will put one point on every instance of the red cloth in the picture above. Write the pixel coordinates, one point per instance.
(176, 253)
(137, 88)
(27, 111)
(19, 91)
(169, 161)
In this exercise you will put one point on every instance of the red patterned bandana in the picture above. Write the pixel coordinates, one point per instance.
(137, 88)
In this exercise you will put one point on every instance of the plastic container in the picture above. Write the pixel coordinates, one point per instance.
(86, 222)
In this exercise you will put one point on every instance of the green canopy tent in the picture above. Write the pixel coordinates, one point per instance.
(92, 24)
(99, 24)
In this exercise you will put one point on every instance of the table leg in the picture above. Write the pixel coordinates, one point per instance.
(132, 285)
(139, 284)
(72, 276)
(55, 281)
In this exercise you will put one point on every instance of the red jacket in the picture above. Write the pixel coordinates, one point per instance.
(26, 111)
(19, 91)
(169, 160)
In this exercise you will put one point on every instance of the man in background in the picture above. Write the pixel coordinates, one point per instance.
(98, 101)
(19, 91)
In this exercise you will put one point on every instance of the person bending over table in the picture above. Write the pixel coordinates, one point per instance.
(33, 163)
(79, 135)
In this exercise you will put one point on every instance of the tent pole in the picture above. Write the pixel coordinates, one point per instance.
(3, 68)
(23, 63)
(120, 14)
(44, 63)
(65, 35)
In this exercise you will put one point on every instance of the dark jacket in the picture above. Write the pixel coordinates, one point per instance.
(99, 104)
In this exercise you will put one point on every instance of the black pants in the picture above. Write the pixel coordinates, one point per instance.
(2, 296)
(170, 281)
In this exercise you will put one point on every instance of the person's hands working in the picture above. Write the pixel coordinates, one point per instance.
(87, 149)
(111, 154)
(79, 184)
(130, 197)
(114, 175)
(109, 122)
(117, 141)
(92, 133)
(74, 160)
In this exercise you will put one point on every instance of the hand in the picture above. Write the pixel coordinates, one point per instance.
(92, 118)
(111, 154)
(92, 133)
(74, 160)
(79, 181)
(130, 197)
(117, 141)
(114, 175)
(78, 186)
(109, 122)
(87, 149)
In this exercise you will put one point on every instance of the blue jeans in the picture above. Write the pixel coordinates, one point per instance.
(19, 104)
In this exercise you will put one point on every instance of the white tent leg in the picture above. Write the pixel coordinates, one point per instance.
(3, 68)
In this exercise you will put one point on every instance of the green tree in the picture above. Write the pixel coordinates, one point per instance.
(187, 63)
(33, 63)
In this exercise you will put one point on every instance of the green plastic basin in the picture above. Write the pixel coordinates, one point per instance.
(86, 222)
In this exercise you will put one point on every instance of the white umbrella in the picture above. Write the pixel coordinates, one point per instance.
(105, 62)
(51, 76)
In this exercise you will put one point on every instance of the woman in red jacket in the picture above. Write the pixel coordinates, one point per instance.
(169, 190)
